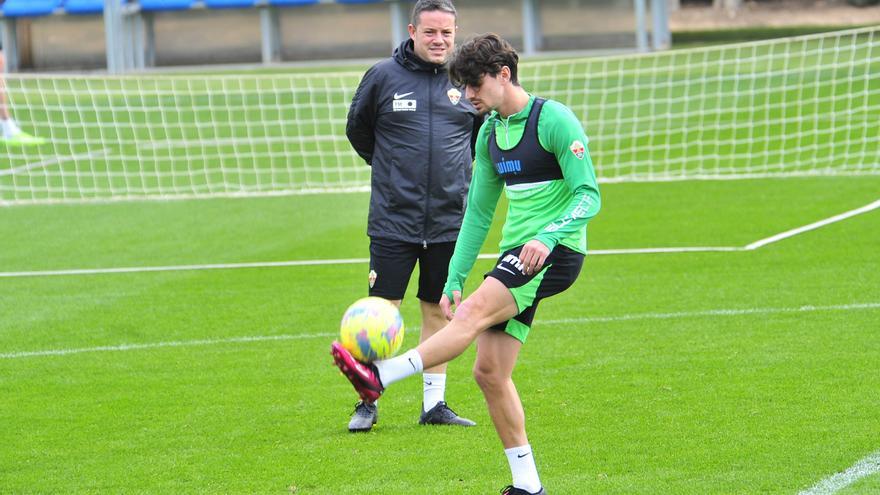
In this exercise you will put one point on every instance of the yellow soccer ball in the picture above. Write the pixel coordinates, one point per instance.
(371, 329)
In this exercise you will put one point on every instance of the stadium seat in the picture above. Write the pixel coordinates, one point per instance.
(290, 3)
(229, 4)
(81, 7)
(29, 8)
(153, 5)
(359, 1)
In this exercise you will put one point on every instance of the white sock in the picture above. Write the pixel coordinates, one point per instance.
(435, 387)
(522, 468)
(10, 129)
(400, 367)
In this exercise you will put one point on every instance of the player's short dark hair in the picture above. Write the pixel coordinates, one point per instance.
(485, 54)
(431, 6)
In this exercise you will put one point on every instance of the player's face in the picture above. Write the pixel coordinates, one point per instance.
(488, 94)
(434, 37)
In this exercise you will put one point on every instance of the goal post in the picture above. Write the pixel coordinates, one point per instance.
(790, 107)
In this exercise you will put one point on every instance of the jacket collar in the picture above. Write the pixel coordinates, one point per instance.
(406, 56)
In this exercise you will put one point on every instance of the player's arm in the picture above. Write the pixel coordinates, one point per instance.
(564, 136)
(485, 189)
(361, 123)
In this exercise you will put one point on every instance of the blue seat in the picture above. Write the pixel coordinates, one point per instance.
(359, 1)
(81, 7)
(291, 3)
(229, 4)
(166, 4)
(29, 8)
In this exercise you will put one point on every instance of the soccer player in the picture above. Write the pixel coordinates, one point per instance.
(534, 150)
(411, 125)
(11, 134)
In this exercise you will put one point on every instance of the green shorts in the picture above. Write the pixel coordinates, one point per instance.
(560, 270)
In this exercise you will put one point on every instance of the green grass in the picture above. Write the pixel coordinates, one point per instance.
(620, 399)
(683, 373)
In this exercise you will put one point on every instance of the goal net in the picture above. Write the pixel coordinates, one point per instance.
(799, 106)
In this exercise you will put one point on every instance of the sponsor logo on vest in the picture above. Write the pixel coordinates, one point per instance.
(454, 95)
(508, 166)
(578, 149)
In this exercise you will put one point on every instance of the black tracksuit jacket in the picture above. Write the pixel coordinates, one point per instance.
(416, 130)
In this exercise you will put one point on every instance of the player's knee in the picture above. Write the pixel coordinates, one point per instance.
(482, 376)
(487, 376)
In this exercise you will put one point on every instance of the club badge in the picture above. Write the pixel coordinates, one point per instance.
(578, 149)
(373, 276)
(454, 95)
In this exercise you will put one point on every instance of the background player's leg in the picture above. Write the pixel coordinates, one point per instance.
(435, 410)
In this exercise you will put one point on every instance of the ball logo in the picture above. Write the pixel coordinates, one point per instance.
(454, 95)
(578, 149)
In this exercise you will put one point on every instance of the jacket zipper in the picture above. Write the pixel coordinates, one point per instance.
(430, 158)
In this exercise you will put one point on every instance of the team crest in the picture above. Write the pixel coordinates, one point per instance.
(373, 276)
(578, 149)
(454, 95)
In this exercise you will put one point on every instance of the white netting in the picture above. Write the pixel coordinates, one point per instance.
(799, 106)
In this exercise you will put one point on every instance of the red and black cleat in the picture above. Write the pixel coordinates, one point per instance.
(363, 376)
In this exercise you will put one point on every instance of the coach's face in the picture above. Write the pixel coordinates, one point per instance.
(434, 36)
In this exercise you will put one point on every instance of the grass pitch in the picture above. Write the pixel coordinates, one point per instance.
(690, 372)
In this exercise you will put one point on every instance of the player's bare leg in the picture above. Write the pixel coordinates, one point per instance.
(497, 353)
(490, 304)
(493, 370)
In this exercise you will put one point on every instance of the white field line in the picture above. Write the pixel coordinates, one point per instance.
(174, 268)
(813, 226)
(713, 313)
(55, 161)
(595, 252)
(327, 335)
(866, 467)
(344, 261)
(157, 345)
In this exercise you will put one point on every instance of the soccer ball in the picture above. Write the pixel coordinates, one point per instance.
(371, 329)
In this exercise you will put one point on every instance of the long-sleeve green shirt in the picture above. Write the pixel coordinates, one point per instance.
(553, 212)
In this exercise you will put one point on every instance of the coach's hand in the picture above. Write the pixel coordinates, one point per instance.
(533, 255)
(446, 305)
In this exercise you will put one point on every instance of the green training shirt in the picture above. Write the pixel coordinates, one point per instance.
(553, 212)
